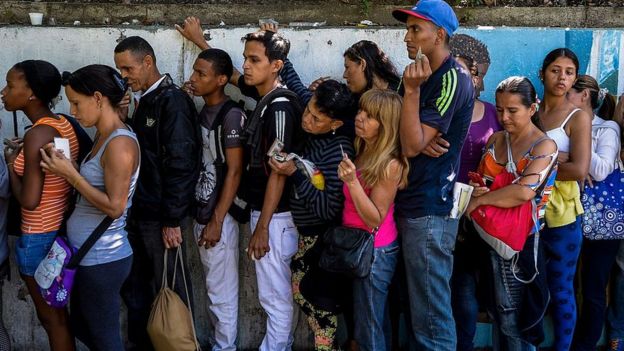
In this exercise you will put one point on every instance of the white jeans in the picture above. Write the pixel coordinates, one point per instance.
(221, 274)
(274, 281)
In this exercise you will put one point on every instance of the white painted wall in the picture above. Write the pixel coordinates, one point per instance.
(314, 52)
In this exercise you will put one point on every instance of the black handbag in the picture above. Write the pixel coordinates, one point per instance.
(348, 251)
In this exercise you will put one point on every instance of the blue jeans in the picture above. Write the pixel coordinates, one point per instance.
(369, 299)
(31, 249)
(428, 244)
(471, 257)
(508, 292)
(615, 315)
(465, 308)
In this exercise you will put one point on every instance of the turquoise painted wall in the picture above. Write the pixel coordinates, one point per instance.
(520, 51)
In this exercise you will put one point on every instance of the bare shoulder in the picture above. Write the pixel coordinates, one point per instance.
(544, 147)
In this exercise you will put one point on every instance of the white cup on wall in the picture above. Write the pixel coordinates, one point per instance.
(36, 18)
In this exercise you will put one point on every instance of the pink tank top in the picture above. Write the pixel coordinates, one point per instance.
(387, 232)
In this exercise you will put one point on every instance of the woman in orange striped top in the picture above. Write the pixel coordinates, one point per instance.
(31, 87)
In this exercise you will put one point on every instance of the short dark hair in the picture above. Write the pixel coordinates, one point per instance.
(220, 60)
(336, 100)
(557, 53)
(90, 79)
(520, 86)
(137, 46)
(43, 78)
(276, 46)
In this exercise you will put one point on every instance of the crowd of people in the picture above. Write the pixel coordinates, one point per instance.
(379, 154)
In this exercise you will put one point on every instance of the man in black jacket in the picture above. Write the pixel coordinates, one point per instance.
(166, 124)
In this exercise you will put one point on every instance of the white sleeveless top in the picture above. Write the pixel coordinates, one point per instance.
(559, 134)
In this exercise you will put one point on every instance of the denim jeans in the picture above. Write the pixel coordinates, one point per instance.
(470, 258)
(31, 249)
(615, 315)
(465, 308)
(428, 244)
(370, 295)
(507, 294)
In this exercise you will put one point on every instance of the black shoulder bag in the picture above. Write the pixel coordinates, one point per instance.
(348, 251)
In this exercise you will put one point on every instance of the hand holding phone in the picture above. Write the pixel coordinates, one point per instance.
(275, 148)
(476, 178)
(62, 144)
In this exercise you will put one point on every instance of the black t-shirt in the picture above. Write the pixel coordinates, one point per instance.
(281, 121)
(446, 103)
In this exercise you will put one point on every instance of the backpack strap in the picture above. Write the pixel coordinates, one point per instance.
(217, 127)
(252, 134)
(85, 144)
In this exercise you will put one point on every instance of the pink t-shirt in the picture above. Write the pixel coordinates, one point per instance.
(387, 233)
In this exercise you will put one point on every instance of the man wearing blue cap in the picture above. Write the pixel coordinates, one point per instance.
(438, 100)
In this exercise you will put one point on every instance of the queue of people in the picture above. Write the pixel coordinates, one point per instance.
(380, 156)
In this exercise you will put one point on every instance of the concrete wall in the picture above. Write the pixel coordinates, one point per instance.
(314, 53)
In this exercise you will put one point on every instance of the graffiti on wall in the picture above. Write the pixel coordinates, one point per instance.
(605, 60)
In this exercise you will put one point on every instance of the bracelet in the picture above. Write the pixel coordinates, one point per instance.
(76, 181)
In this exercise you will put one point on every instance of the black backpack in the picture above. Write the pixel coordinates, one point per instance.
(14, 212)
(204, 209)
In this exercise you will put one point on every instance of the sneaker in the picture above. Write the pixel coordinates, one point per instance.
(616, 345)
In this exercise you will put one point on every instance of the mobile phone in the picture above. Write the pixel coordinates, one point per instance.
(275, 148)
(280, 158)
(476, 178)
(62, 144)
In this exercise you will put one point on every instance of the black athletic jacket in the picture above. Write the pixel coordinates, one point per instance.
(167, 127)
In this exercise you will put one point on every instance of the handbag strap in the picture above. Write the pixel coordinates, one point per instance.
(75, 260)
(511, 166)
(536, 238)
(165, 283)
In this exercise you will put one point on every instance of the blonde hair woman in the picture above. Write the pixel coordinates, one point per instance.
(370, 185)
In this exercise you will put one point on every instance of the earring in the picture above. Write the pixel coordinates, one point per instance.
(30, 98)
(333, 131)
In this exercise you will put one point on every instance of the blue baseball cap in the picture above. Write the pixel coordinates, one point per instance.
(436, 11)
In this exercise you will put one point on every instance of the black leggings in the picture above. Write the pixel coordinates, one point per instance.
(95, 304)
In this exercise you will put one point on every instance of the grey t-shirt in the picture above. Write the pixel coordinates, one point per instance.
(233, 123)
(232, 127)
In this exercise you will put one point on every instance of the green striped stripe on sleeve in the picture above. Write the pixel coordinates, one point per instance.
(449, 85)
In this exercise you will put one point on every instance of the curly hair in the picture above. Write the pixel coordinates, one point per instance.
(467, 46)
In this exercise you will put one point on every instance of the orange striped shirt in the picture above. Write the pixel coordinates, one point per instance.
(47, 217)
